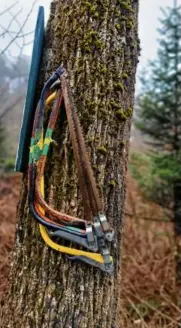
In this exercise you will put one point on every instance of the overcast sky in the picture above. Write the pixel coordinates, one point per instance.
(148, 23)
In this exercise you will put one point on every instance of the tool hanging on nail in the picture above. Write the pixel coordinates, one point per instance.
(94, 233)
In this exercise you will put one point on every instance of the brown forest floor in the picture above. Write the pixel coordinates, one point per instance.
(148, 268)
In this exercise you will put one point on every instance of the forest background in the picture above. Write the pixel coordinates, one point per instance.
(150, 263)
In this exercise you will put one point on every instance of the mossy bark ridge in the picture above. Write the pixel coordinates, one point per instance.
(97, 43)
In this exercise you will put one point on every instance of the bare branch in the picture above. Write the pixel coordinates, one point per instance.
(4, 88)
(9, 8)
(25, 34)
(20, 29)
(27, 43)
(9, 107)
(6, 30)
(131, 215)
(18, 23)
(14, 32)
(17, 38)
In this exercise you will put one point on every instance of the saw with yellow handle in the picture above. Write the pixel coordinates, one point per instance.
(93, 234)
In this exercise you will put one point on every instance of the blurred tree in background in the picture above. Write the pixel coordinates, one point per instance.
(13, 81)
(159, 111)
(159, 105)
(14, 68)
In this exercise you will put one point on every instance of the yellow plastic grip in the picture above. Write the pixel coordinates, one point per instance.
(63, 249)
(50, 98)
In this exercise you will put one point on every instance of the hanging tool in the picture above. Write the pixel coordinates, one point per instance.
(92, 233)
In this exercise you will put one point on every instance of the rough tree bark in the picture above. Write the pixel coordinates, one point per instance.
(97, 42)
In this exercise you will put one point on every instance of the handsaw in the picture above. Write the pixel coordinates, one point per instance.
(91, 197)
(91, 258)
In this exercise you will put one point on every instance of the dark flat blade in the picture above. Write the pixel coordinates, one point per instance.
(29, 108)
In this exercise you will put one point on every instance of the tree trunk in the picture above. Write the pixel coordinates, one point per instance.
(98, 44)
